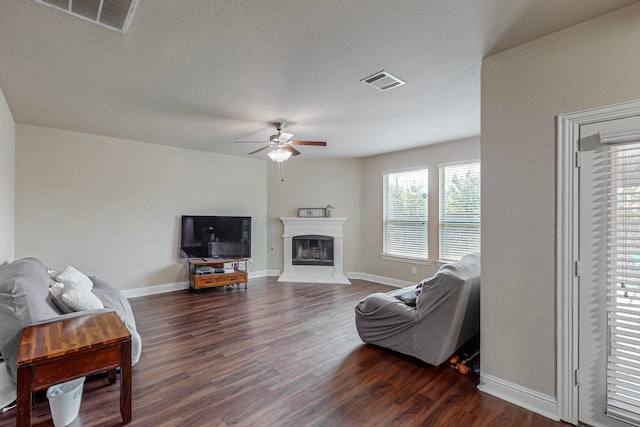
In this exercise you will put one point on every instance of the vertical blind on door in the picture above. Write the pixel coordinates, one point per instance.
(623, 281)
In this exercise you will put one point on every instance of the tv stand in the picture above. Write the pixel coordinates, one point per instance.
(202, 272)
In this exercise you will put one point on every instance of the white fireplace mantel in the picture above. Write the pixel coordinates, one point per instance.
(331, 227)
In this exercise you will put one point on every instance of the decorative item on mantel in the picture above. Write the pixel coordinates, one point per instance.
(328, 209)
(312, 212)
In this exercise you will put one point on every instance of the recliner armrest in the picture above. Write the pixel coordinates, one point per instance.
(380, 304)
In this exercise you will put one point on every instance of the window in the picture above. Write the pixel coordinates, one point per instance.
(405, 214)
(459, 210)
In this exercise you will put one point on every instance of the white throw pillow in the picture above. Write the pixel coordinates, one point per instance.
(71, 297)
(79, 300)
(72, 276)
(56, 291)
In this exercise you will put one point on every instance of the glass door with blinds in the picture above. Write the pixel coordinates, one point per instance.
(609, 274)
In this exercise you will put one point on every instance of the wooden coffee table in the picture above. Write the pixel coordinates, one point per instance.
(63, 350)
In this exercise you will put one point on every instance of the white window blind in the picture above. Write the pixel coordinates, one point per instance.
(459, 210)
(623, 282)
(405, 219)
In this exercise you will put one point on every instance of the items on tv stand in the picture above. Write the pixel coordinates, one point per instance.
(212, 272)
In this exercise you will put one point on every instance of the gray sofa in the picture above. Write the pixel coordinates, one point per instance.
(25, 300)
(430, 320)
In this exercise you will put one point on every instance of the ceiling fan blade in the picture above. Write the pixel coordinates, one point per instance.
(290, 148)
(260, 149)
(318, 143)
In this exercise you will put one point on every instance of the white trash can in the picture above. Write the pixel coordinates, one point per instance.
(7, 390)
(64, 401)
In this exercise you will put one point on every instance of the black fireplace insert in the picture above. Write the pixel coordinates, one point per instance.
(312, 250)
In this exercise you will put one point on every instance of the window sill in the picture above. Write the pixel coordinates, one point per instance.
(405, 259)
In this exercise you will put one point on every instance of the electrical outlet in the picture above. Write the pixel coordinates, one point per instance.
(414, 270)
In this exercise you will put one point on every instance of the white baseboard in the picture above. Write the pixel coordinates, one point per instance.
(380, 279)
(259, 273)
(156, 289)
(539, 403)
(178, 286)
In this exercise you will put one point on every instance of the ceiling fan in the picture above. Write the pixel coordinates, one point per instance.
(282, 144)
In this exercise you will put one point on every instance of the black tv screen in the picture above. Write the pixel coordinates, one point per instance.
(215, 237)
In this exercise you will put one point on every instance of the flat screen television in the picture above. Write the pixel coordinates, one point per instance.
(215, 237)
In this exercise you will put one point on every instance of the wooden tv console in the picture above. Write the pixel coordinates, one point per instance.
(231, 276)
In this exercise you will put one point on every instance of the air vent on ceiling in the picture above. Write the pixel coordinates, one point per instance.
(114, 14)
(383, 81)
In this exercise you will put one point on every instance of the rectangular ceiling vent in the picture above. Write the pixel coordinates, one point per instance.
(113, 14)
(382, 81)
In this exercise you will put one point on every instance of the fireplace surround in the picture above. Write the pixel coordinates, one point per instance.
(313, 250)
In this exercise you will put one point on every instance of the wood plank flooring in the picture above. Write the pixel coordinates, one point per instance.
(279, 354)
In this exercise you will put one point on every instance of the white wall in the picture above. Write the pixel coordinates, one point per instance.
(315, 184)
(523, 89)
(7, 182)
(373, 167)
(111, 207)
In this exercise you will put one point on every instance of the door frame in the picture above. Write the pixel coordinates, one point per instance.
(567, 253)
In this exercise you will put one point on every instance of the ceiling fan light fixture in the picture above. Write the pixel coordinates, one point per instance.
(279, 155)
(282, 145)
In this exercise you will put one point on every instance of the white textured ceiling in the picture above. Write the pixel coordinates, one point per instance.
(202, 74)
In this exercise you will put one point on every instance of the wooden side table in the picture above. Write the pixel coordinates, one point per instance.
(63, 350)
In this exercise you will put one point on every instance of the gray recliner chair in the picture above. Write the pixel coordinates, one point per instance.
(430, 320)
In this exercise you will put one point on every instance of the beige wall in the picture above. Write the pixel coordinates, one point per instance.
(7, 182)
(312, 183)
(111, 207)
(523, 89)
(373, 167)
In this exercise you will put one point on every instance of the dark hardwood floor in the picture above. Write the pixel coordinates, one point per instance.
(279, 355)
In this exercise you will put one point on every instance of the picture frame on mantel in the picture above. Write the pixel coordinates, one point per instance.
(312, 212)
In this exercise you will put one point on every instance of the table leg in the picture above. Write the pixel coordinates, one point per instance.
(125, 381)
(111, 376)
(25, 385)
